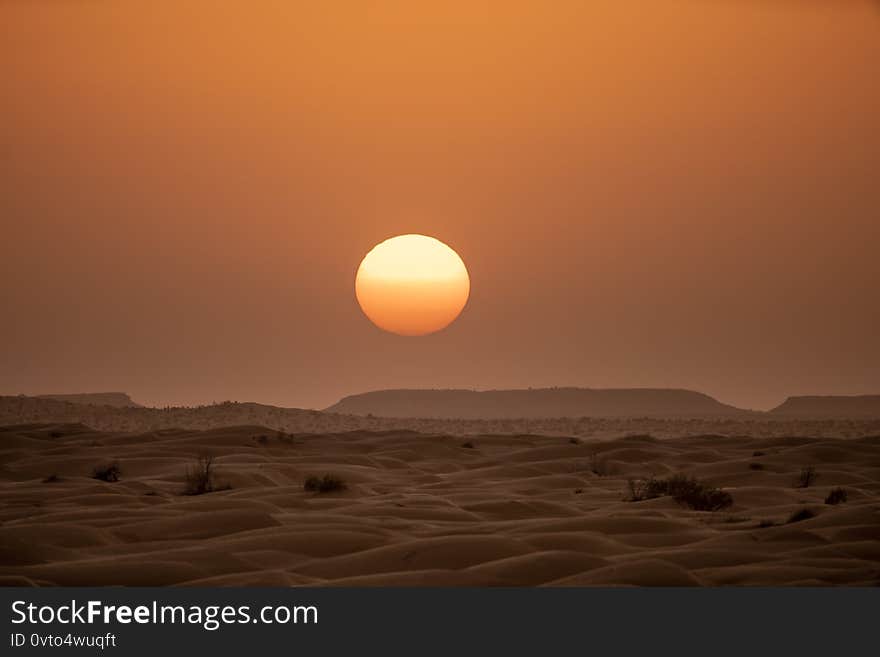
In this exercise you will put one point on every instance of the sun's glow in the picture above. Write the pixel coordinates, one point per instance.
(412, 285)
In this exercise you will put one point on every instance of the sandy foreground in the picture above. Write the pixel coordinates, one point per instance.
(430, 510)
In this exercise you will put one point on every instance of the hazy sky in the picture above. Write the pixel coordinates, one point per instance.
(671, 193)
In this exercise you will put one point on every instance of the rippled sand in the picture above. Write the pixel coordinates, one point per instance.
(425, 510)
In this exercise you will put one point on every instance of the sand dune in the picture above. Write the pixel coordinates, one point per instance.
(431, 510)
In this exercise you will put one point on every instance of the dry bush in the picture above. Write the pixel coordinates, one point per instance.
(598, 466)
(756, 466)
(801, 514)
(687, 491)
(806, 478)
(468, 445)
(329, 483)
(200, 477)
(836, 496)
(107, 472)
(645, 489)
(52, 479)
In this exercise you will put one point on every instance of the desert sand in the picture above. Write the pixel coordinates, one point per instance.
(431, 510)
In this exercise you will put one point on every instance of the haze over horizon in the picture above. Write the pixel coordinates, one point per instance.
(121, 398)
(683, 196)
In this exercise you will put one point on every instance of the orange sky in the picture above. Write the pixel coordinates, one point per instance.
(676, 193)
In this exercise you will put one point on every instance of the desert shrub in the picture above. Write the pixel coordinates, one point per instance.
(597, 465)
(756, 466)
(766, 523)
(806, 478)
(55, 434)
(468, 445)
(646, 489)
(578, 491)
(262, 439)
(329, 483)
(634, 491)
(801, 514)
(757, 453)
(107, 472)
(836, 496)
(200, 477)
(687, 491)
(697, 495)
(574, 441)
(52, 479)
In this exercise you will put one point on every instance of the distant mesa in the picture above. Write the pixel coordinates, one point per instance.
(547, 411)
(114, 399)
(535, 403)
(830, 406)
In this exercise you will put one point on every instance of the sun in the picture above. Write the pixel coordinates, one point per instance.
(412, 285)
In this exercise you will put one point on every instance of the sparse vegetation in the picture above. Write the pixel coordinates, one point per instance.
(801, 514)
(262, 439)
(757, 454)
(806, 478)
(756, 466)
(685, 490)
(55, 434)
(574, 441)
(597, 465)
(836, 496)
(468, 445)
(109, 472)
(766, 523)
(200, 477)
(645, 489)
(329, 483)
(52, 479)
(578, 491)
